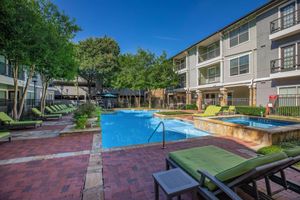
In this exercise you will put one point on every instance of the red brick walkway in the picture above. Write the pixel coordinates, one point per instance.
(127, 173)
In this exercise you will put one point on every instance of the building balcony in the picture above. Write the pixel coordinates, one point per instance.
(209, 75)
(285, 67)
(209, 55)
(285, 26)
(210, 80)
(180, 66)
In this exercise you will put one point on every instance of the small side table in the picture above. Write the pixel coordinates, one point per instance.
(174, 182)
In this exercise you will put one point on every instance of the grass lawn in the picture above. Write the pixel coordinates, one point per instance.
(280, 147)
(173, 113)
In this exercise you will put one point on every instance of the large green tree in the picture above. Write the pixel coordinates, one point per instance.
(98, 61)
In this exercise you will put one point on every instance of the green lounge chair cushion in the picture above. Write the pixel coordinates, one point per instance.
(248, 165)
(209, 158)
(5, 118)
(4, 134)
(210, 111)
(293, 152)
(26, 122)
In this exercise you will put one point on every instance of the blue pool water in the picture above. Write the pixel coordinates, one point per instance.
(257, 122)
(131, 127)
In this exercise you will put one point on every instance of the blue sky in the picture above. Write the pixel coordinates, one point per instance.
(157, 25)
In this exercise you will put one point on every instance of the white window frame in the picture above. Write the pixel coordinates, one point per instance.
(229, 38)
(249, 65)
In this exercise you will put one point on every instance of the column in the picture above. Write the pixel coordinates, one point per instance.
(199, 100)
(188, 97)
(254, 95)
(223, 100)
(250, 95)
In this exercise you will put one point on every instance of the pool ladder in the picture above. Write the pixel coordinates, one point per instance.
(164, 134)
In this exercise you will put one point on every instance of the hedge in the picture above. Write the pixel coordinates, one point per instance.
(250, 110)
(288, 110)
(190, 107)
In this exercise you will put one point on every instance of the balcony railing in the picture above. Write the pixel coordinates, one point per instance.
(214, 79)
(290, 63)
(285, 22)
(180, 66)
(209, 55)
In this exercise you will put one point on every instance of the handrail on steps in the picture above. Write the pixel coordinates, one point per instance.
(164, 134)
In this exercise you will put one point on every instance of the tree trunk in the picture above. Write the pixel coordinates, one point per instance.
(44, 93)
(139, 99)
(24, 95)
(163, 98)
(149, 99)
(16, 89)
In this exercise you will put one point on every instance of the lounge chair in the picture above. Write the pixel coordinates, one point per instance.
(278, 175)
(4, 135)
(45, 116)
(7, 121)
(210, 111)
(221, 172)
(54, 110)
(230, 110)
(61, 109)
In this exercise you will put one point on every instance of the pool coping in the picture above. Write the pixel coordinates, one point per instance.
(275, 130)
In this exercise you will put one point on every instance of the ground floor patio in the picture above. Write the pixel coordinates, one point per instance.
(55, 167)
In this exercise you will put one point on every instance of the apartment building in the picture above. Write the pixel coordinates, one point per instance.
(7, 84)
(245, 62)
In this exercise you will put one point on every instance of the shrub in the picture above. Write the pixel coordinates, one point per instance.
(293, 111)
(269, 149)
(81, 121)
(250, 110)
(190, 107)
(88, 109)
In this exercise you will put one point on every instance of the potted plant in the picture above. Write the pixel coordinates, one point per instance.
(92, 113)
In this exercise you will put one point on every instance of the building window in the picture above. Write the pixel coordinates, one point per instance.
(239, 65)
(180, 64)
(182, 80)
(213, 74)
(2, 65)
(287, 16)
(2, 94)
(239, 35)
(288, 56)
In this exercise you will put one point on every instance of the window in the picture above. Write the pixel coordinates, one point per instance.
(288, 55)
(2, 94)
(239, 35)
(2, 65)
(289, 91)
(239, 65)
(287, 16)
(182, 80)
(180, 64)
(213, 73)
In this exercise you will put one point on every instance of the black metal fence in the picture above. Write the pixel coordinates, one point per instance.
(287, 105)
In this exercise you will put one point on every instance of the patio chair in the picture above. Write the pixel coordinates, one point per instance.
(7, 121)
(52, 111)
(62, 108)
(278, 175)
(230, 110)
(4, 135)
(210, 111)
(65, 107)
(45, 116)
(58, 110)
(221, 172)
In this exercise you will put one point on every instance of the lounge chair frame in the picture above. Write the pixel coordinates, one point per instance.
(242, 181)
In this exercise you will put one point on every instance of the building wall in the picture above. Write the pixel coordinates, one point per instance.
(248, 47)
(192, 61)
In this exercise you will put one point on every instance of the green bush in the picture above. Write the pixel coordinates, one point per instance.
(293, 111)
(88, 109)
(190, 107)
(81, 121)
(250, 110)
(269, 149)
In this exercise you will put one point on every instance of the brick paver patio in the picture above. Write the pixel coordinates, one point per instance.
(128, 173)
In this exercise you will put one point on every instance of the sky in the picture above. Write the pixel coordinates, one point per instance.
(155, 25)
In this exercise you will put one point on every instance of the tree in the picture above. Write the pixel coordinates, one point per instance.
(98, 61)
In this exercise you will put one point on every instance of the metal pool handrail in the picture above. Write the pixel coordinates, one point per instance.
(164, 134)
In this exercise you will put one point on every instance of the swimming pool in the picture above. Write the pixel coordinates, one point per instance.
(257, 122)
(132, 127)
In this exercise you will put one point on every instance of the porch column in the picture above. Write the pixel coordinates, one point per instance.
(250, 95)
(188, 97)
(223, 99)
(254, 95)
(199, 100)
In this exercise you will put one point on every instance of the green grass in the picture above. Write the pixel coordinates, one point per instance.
(173, 113)
(280, 147)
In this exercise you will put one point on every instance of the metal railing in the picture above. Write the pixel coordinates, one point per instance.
(209, 55)
(164, 134)
(287, 105)
(180, 66)
(285, 22)
(213, 79)
(211, 101)
(290, 63)
(238, 101)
